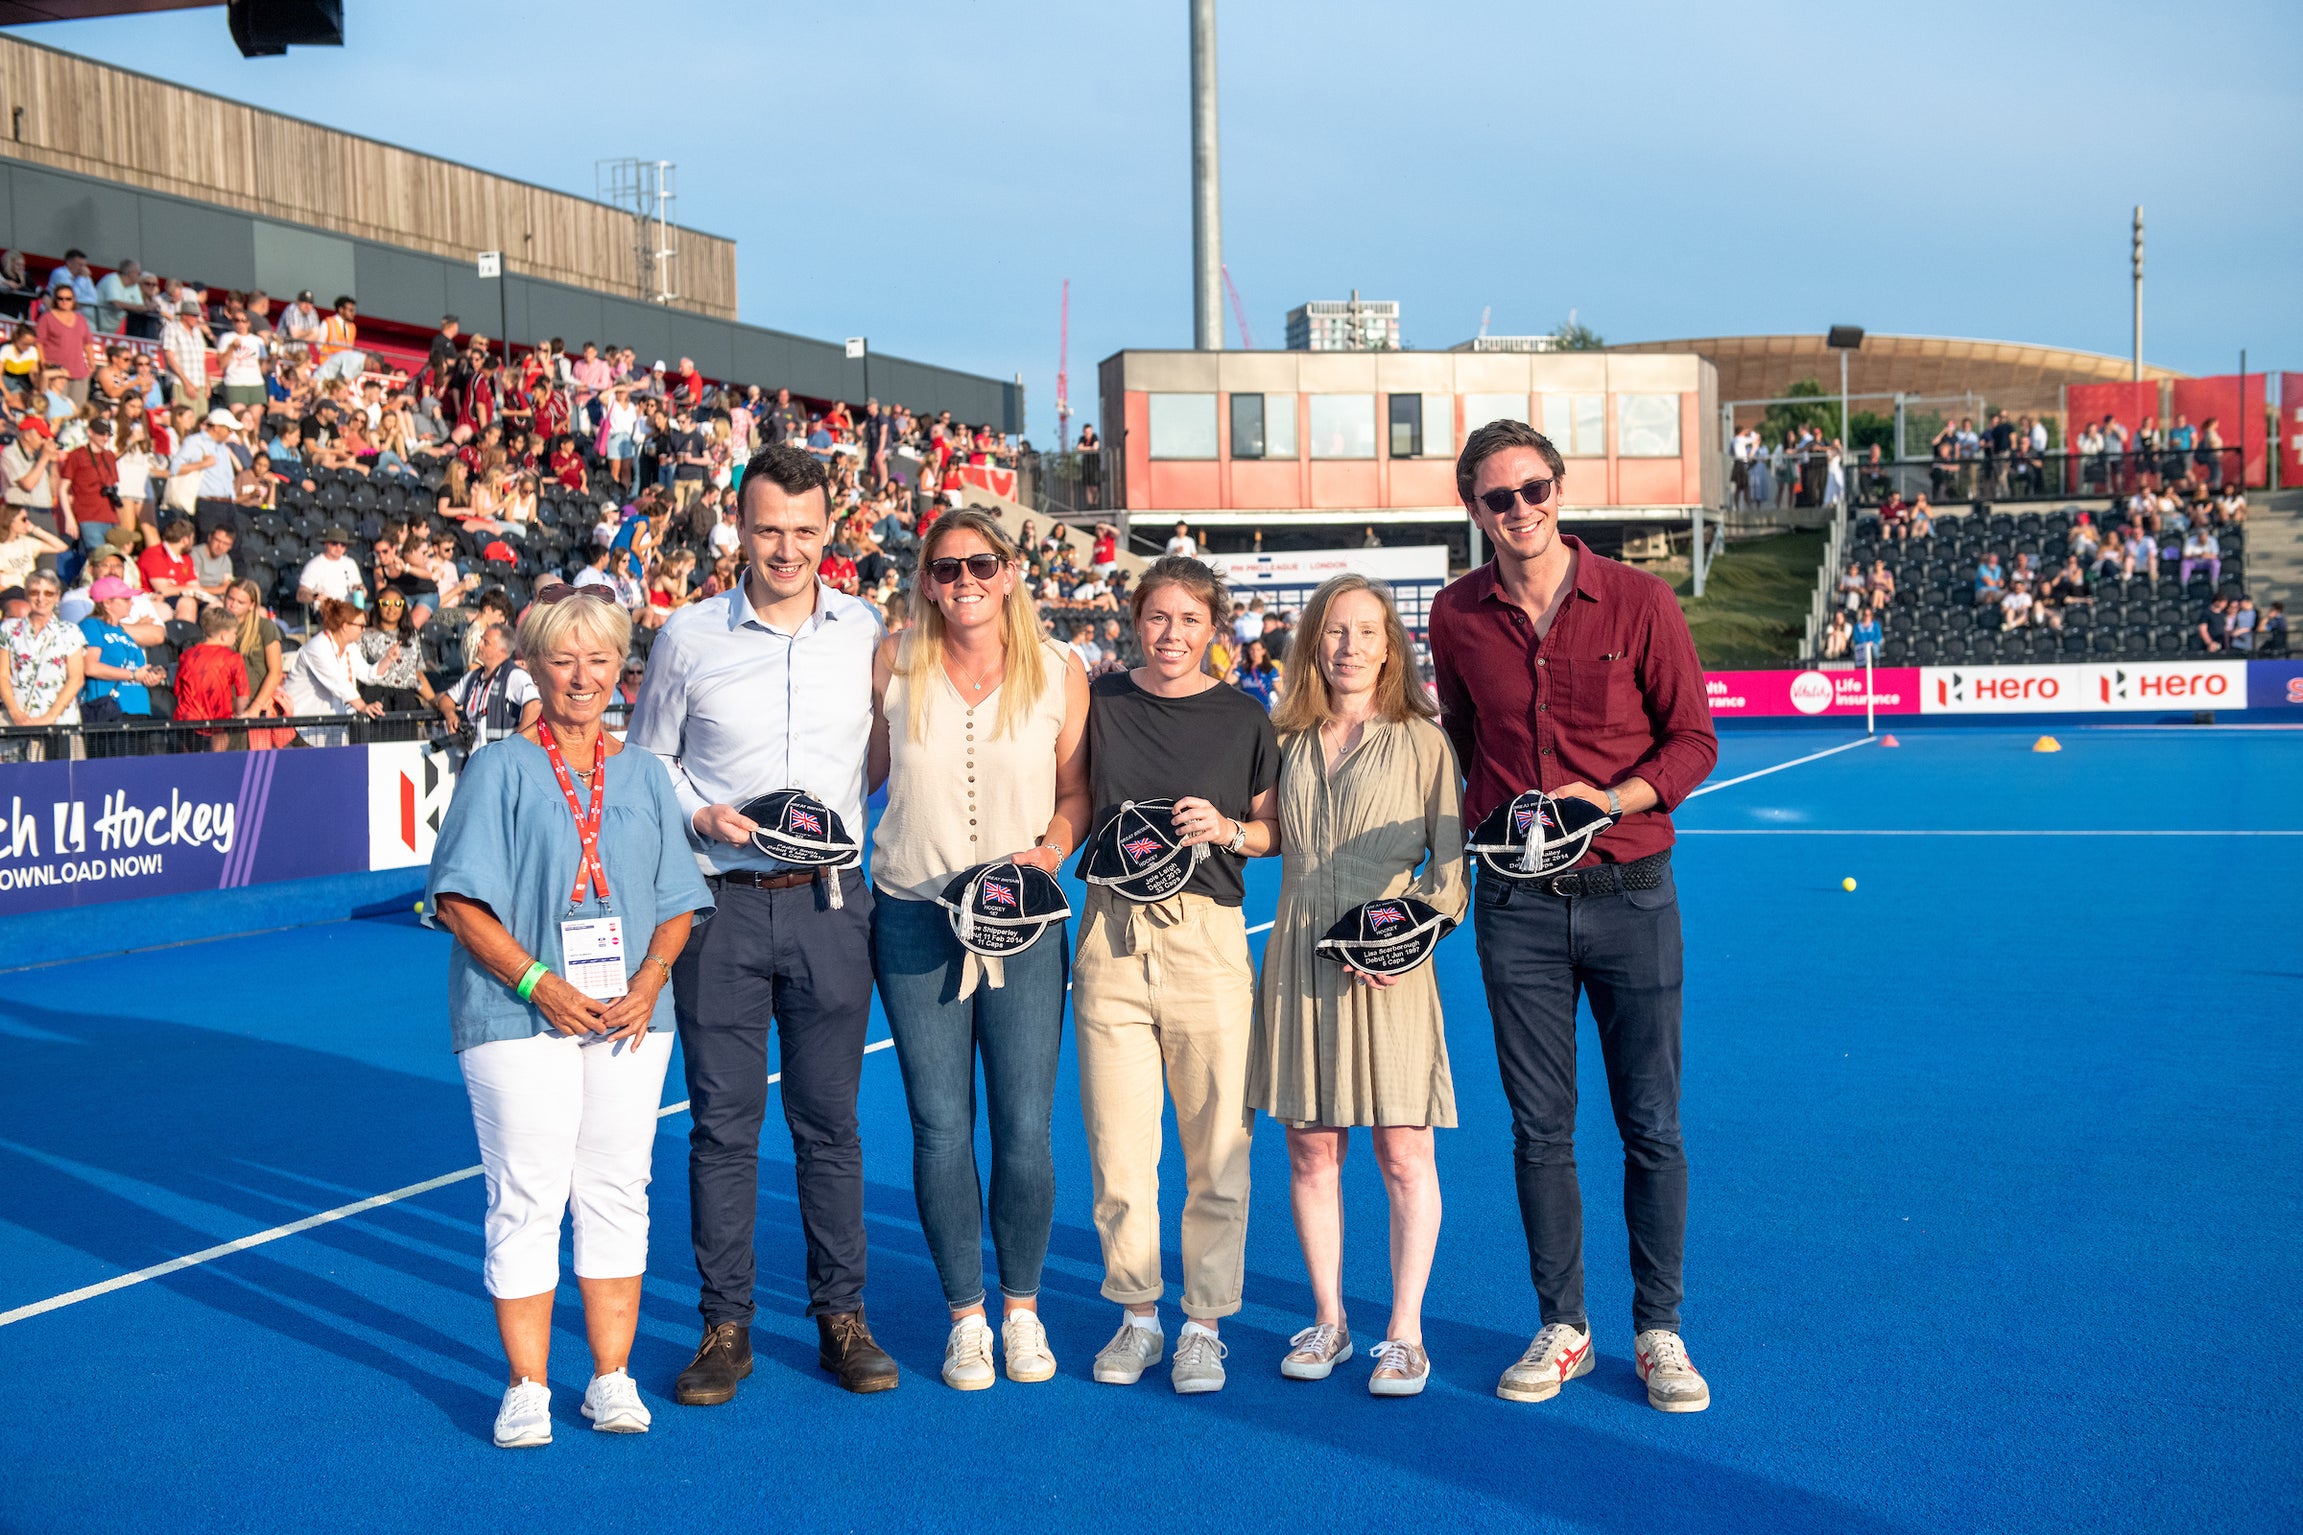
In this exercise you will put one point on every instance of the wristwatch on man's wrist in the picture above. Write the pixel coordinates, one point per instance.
(1614, 803)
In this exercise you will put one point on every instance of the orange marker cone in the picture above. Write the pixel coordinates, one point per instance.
(2047, 744)
(1889, 741)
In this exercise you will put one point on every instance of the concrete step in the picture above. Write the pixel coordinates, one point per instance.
(2275, 547)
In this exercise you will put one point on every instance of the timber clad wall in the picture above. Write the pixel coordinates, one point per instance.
(82, 116)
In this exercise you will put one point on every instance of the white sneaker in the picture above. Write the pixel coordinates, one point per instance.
(613, 1404)
(525, 1419)
(968, 1355)
(1672, 1384)
(1558, 1355)
(1198, 1361)
(1132, 1351)
(1025, 1342)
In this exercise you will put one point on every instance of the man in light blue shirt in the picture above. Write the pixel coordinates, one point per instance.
(767, 688)
(205, 451)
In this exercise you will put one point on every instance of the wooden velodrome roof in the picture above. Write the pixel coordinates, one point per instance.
(2009, 375)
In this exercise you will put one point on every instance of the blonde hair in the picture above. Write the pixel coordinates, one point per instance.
(1399, 691)
(920, 654)
(546, 624)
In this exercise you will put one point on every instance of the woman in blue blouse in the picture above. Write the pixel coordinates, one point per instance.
(569, 898)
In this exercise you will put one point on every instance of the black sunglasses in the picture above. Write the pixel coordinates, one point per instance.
(982, 566)
(1534, 493)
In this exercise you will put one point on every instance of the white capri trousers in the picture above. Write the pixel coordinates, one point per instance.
(562, 1122)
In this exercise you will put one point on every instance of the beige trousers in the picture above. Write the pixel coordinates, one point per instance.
(1166, 990)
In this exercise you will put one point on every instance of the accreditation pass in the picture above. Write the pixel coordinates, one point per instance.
(592, 957)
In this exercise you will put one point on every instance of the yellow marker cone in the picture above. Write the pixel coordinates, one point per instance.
(2047, 744)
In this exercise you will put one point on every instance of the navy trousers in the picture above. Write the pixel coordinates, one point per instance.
(1538, 953)
(786, 957)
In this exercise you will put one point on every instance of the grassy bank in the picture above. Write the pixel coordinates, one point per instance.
(1754, 606)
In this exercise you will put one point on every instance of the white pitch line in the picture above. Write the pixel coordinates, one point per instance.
(1729, 783)
(1865, 831)
(1261, 927)
(258, 1239)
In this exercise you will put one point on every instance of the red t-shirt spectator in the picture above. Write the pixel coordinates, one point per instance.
(158, 564)
(210, 682)
(87, 470)
(1107, 550)
(64, 342)
(838, 572)
(689, 386)
(568, 467)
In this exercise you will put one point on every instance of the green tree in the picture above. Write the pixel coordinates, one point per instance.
(1572, 337)
(1782, 420)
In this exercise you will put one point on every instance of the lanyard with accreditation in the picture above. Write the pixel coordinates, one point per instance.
(591, 948)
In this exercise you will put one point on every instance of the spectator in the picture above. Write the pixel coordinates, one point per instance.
(2200, 548)
(1083, 645)
(240, 354)
(332, 575)
(300, 321)
(67, 345)
(88, 486)
(2243, 622)
(2015, 607)
(118, 676)
(440, 364)
(1182, 544)
(257, 639)
(203, 458)
(1248, 622)
(628, 683)
(2215, 625)
(120, 307)
(75, 278)
(1866, 638)
(1839, 637)
(212, 565)
(395, 658)
(212, 679)
(1105, 557)
(24, 546)
(184, 353)
(41, 682)
(20, 364)
(1881, 589)
(2271, 635)
(1256, 673)
(495, 696)
(1990, 580)
(326, 675)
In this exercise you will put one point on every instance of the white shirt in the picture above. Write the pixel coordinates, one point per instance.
(592, 575)
(337, 578)
(1248, 626)
(1183, 544)
(243, 358)
(726, 538)
(738, 709)
(324, 680)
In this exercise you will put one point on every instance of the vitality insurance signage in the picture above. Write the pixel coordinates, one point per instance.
(78, 833)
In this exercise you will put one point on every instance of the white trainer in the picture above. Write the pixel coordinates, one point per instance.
(1132, 1351)
(1560, 1353)
(525, 1419)
(613, 1404)
(968, 1355)
(1672, 1384)
(1025, 1343)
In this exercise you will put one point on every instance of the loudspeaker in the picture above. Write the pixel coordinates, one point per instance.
(263, 28)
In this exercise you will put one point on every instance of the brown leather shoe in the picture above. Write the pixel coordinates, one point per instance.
(724, 1359)
(847, 1350)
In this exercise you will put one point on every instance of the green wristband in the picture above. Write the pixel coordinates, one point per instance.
(530, 977)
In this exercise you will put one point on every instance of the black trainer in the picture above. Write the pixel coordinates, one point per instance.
(724, 1359)
(847, 1350)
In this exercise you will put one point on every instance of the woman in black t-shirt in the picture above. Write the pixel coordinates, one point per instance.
(1163, 993)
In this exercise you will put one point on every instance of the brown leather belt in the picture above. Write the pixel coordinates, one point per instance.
(757, 879)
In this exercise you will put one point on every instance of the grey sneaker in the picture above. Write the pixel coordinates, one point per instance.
(1131, 1351)
(1199, 1360)
(1316, 1351)
(1560, 1353)
(1401, 1369)
(1672, 1384)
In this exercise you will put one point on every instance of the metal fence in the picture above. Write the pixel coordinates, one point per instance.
(140, 737)
(2041, 476)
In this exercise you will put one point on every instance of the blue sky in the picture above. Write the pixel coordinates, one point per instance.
(929, 174)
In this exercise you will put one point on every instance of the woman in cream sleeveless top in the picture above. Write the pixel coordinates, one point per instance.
(986, 727)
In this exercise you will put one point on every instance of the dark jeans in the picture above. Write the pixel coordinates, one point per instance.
(1019, 1027)
(783, 955)
(1537, 953)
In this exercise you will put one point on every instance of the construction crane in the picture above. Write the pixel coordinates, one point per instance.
(1238, 311)
(1063, 373)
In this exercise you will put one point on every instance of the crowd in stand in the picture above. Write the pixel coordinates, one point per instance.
(175, 452)
(2173, 553)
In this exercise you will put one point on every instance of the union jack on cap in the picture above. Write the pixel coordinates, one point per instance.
(807, 821)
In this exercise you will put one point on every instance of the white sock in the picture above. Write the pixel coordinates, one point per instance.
(974, 1317)
(1149, 1323)
(1196, 1325)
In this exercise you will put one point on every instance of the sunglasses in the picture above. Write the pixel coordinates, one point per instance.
(561, 591)
(982, 566)
(1534, 493)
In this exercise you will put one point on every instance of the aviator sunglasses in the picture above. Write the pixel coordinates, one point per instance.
(561, 591)
(1534, 493)
(982, 566)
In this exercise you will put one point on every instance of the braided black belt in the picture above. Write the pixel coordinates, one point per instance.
(1608, 878)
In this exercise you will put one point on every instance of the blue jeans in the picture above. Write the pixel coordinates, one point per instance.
(1538, 953)
(1019, 1029)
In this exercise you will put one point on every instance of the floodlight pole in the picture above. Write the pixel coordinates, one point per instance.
(1206, 184)
(2136, 375)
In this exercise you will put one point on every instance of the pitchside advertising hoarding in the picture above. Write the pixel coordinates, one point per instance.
(2148, 687)
(79, 833)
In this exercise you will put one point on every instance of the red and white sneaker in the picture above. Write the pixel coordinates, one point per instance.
(1560, 1353)
(1672, 1384)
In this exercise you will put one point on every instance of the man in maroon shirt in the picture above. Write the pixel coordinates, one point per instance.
(1563, 671)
